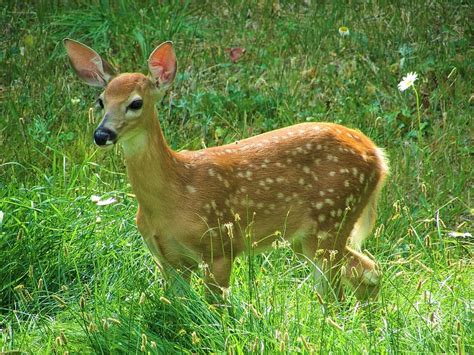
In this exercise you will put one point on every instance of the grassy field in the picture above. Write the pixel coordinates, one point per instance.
(76, 277)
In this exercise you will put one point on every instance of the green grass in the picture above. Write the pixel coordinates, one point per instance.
(77, 277)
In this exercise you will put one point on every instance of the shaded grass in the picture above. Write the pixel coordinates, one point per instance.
(57, 247)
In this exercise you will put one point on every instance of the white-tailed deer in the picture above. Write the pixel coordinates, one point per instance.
(316, 183)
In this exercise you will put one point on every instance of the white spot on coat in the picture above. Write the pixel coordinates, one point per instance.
(319, 205)
(329, 202)
(191, 189)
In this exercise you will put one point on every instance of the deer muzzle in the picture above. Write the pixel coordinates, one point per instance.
(104, 136)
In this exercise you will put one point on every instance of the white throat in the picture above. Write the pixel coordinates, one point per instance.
(135, 144)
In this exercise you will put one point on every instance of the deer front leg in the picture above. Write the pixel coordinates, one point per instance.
(175, 268)
(217, 276)
(175, 275)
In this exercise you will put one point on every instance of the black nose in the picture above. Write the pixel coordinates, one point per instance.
(104, 135)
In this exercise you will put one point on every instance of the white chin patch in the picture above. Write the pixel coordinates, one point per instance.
(109, 143)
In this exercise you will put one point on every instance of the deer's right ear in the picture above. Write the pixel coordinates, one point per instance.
(88, 65)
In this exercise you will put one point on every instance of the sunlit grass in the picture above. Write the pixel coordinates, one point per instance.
(75, 275)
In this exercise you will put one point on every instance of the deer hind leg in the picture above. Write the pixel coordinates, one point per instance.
(362, 273)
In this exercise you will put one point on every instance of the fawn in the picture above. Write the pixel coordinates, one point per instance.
(317, 182)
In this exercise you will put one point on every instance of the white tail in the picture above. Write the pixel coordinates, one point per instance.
(317, 183)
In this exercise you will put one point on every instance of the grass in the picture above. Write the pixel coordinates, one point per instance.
(76, 277)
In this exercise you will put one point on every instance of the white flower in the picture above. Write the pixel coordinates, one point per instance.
(344, 31)
(407, 81)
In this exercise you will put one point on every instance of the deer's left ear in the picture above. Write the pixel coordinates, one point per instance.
(162, 64)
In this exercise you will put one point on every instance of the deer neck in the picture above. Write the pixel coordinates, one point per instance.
(152, 167)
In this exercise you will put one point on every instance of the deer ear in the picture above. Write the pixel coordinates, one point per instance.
(88, 65)
(162, 64)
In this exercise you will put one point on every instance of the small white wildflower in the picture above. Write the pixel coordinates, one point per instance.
(344, 31)
(407, 81)
(1, 217)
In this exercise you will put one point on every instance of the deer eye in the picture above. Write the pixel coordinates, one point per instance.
(100, 103)
(136, 104)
